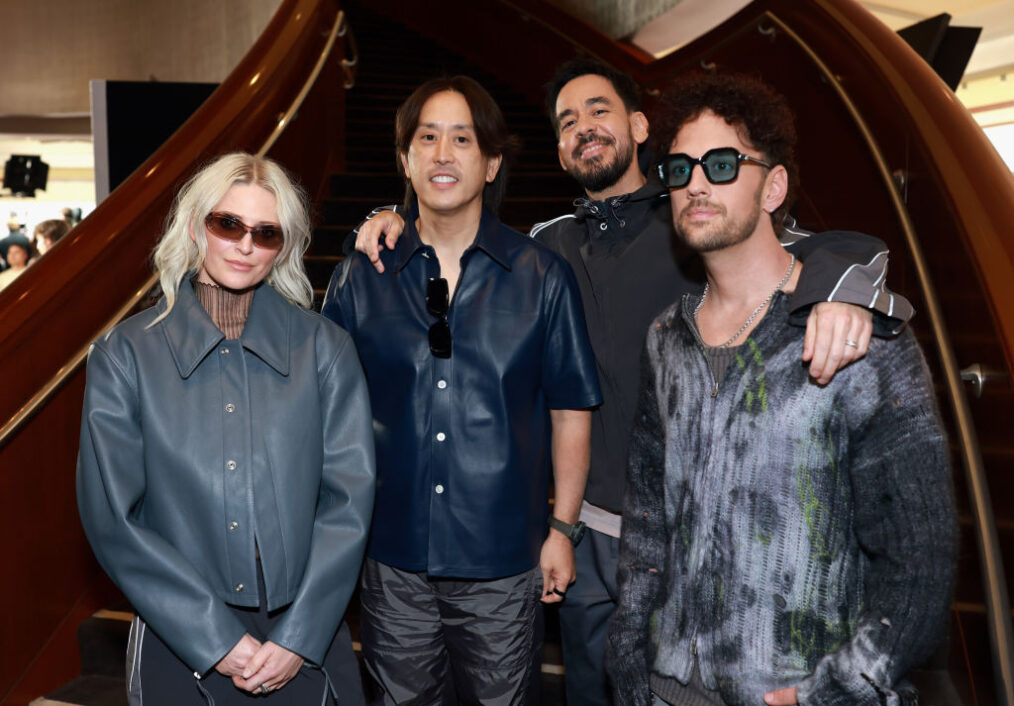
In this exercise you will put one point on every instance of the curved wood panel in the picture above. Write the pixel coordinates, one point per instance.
(58, 306)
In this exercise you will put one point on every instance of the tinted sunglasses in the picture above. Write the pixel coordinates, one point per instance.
(720, 165)
(228, 227)
(437, 303)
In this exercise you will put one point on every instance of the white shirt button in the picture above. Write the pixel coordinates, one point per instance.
(239, 587)
(230, 408)
(231, 465)
(439, 489)
(233, 526)
(224, 351)
(441, 436)
(441, 384)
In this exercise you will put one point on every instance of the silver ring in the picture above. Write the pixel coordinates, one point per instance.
(853, 344)
(264, 689)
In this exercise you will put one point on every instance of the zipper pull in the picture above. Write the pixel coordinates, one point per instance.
(714, 391)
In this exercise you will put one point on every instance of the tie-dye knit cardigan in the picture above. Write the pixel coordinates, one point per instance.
(787, 534)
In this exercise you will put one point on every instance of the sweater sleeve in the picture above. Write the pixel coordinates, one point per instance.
(906, 528)
(847, 267)
(642, 547)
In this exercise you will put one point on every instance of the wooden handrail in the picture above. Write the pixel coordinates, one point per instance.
(996, 597)
(119, 235)
(25, 412)
(90, 280)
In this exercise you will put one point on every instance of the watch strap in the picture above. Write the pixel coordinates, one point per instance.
(573, 532)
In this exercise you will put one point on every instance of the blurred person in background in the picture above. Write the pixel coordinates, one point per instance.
(14, 234)
(18, 253)
(72, 216)
(47, 233)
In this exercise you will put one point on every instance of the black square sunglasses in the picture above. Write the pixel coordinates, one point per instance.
(720, 165)
(437, 303)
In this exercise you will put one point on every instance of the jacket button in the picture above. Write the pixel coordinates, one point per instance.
(439, 489)
(239, 587)
(231, 465)
(230, 407)
(441, 436)
(603, 225)
(233, 526)
(441, 384)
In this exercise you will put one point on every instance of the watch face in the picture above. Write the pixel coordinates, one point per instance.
(577, 533)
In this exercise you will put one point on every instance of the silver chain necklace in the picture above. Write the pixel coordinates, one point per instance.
(760, 307)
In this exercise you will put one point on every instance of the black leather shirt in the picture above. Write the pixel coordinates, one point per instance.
(463, 443)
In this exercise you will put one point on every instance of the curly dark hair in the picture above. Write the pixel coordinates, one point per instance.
(625, 86)
(487, 119)
(757, 110)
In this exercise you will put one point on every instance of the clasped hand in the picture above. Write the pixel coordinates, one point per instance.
(259, 667)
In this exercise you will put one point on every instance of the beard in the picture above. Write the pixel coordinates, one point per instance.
(599, 174)
(722, 232)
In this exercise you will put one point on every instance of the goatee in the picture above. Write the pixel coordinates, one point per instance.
(598, 174)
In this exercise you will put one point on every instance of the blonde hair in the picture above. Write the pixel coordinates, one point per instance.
(178, 256)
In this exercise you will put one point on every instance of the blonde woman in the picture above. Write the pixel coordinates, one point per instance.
(226, 472)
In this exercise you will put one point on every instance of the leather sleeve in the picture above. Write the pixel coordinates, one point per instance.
(569, 376)
(344, 509)
(162, 585)
(335, 295)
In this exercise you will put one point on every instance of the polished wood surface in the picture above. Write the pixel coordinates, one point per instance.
(62, 303)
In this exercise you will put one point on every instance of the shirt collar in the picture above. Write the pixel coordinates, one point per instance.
(191, 334)
(488, 240)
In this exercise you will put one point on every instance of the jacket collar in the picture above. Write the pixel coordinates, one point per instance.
(191, 334)
(488, 240)
(642, 198)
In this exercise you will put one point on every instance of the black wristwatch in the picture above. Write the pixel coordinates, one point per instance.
(572, 532)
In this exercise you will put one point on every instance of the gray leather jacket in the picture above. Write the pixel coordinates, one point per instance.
(193, 446)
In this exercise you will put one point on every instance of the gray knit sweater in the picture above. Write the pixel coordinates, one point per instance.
(788, 534)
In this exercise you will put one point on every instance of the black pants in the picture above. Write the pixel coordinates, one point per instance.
(435, 641)
(157, 677)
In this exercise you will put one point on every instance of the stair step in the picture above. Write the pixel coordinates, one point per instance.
(103, 642)
(328, 240)
(89, 690)
(320, 267)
